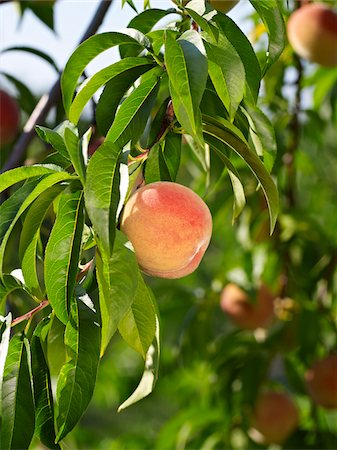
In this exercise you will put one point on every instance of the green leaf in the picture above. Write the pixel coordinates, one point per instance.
(205, 25)
(105, 191)
(25, 96)
(8, 284)
(243, 47)
(239, 194)
(117, 281)
(33, 51)
(44, 408)
(113, 93)
(56, 351)
(75, 152)
(120, 69)
(269, 11)
(225, 132)
(43, 10)
(56, 137)
(150, 374)
(30, 236)
(186, 64)
(44, 184)
(262, 134)
(132, 115)
(85, 53)
(13, 176)
(77, 379)
(144, 22)
(17, 403)
(5, 333)
(62, 253)
(156, 168)
(227, 74)
(171, 149)
(10, 207)
(138, 326)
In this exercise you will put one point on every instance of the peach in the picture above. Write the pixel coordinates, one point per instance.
(223, 5)
(169, 227)
(321, 380)
(9, 118)
(245, 313)
(275, 416)
(312, 32)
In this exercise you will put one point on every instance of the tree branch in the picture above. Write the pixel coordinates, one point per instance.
(47, 101)
(30, 314)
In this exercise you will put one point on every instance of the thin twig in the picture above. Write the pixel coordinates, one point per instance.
(47, 101)
(30, 314)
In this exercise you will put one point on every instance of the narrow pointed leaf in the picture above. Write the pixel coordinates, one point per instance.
(143, 22)
(43, 397)
(17, 403)
(227, 74)
(238, 191)
(5, 333)
(156, 168)
(43, 185)
(33, 51)
(13, 176)
(270, 13)
(186, 64)
(56, 137)
(138, 326)
(105, 191)
(132, 116)
(78, 376)
(62, 253)
(85, 53)
(150, 374)
(92, 84)
(244, 48)
(10, 207)
(113, 94)
(30, 235)
(262, 134)
(8, 284)
(74, 148)
(117, 281)
(225, 134)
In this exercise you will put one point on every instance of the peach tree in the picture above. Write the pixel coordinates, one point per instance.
(191, 87)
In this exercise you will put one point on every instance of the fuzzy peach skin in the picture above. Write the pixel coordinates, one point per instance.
(9, 118)
(245, 313)
(312, 32)
(223, 5)
(321, 380)
(169, 226)
(275, 416)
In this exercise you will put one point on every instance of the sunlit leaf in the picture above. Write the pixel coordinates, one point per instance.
(150, 374)
(77, 378)
(62, 253)
(138, 326)
(117, 281)
(17, 403)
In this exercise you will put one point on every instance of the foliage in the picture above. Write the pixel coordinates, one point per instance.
(192, 101)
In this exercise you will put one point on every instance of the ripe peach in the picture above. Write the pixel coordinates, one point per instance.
(169, 227)
(275, 417)
(9, 118)
(321, 380)
(312, 32)
(245, 313)
(223, 5)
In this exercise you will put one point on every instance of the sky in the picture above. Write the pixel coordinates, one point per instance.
(71, 20)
